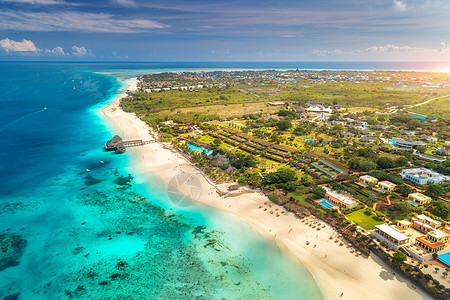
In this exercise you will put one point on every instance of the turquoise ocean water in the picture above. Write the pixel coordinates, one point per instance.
(110, 233)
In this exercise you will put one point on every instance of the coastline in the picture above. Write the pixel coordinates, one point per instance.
(335, 269)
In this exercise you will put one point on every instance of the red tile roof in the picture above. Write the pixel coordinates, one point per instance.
(428, 243)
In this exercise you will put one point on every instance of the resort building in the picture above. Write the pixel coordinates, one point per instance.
(423, 176)
(419, 198)
(404, 224)
(424, 223)
(369, 180)
(406, 144)
(115, 144)
(387, 186)
(430, 221)
(318, 108)
(339, 199)
(421, 226)
(430, 157)
(392, 236)
(276, 103)
(434, 241)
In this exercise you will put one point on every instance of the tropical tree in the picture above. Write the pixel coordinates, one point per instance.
(284, 124)
(398, 257)
(319, 192)
(372, 197)
(434, 190)
(385, 162)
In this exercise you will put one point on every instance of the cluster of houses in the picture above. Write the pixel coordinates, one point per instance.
(421, 236)
(417, 175)
(342, 200)
(182, 127)
(173, 88)
(367, 181)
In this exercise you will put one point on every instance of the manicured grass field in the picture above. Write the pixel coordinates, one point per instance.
(300, 197)
(363, 220)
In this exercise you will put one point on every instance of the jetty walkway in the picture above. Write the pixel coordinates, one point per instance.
(119, 146)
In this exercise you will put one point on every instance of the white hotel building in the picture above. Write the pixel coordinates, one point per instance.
(423, 176)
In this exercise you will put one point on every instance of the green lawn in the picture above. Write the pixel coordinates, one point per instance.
(363, 220)
(300, 197)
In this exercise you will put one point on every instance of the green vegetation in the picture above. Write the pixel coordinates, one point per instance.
(438, 108)
(364, 219)
(258, 121)
(398, 257)
(300, 197)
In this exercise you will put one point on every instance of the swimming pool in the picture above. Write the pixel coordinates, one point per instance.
(325, 204)
(445, 258)
(362, 183)
(312, 141)
(383, 191)
(413, 203)
(193, 147)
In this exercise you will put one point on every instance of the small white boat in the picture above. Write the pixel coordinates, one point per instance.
(87, 170)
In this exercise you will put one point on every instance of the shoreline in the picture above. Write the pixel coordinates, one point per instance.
(333, 267)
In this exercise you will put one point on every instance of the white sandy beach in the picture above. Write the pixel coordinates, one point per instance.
(336, 270)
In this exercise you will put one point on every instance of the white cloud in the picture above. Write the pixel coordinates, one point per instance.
(13, 46)
(399, 5)
(27, 47)
(74, 21)
(58, 51)
(79, 51)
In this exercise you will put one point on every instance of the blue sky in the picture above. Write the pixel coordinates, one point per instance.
(246, 30)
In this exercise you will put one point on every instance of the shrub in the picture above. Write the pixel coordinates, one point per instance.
(273, 197)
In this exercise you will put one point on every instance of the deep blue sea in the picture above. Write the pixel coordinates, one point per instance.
(70, 233)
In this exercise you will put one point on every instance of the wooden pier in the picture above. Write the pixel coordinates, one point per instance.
(135, 143)
(119, 146)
